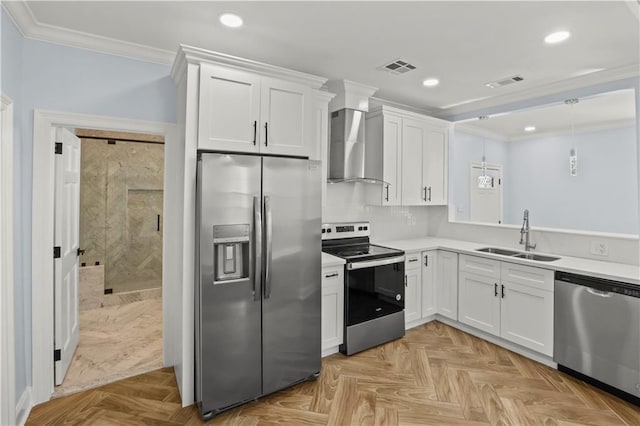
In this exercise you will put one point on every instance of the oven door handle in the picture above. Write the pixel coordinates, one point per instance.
(374, 263)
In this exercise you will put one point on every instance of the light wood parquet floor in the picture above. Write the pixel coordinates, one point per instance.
(435, 375)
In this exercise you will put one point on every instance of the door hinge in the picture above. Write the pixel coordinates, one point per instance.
(58, 147)
(57, 355)
(111, 142)
(56, 252)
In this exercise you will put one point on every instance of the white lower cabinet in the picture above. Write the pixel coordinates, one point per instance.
(447, 284)
(332, 308)
(509, 300)
(412, 288)
(429, 259)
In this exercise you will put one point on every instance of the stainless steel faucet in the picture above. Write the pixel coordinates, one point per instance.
(524, 233)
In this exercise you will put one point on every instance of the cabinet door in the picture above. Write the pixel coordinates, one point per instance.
(447, 284)
(229, 109)
(286, 117)
(435, 165)
(412, 295)
(479, 302)
(429, 259)
(413, 152)
(332, 307)
(391, 162)
(527, 307)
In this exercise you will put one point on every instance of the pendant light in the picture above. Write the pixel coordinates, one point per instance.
(484, 180)
(573, 152)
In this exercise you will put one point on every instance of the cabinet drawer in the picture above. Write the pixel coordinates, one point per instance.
(412, 261)
(333, 275)
(480, 265)
(528, 276)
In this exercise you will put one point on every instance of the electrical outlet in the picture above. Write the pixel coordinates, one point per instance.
(599, 248)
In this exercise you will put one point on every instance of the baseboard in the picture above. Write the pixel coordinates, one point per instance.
(525, 352)
(23, 407)
(330, 351)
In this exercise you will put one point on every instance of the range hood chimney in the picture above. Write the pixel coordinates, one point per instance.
(347, 147)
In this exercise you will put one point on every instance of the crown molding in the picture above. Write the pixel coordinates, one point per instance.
(573, 83)
(195, 55)
(31, 28)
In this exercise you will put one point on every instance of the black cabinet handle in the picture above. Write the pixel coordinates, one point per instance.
(255, 131)
(335, 274)
(415, 259)
(503, 291)
(426, 261)
(405, 281)
(429, 193)
(158, 225)
(425, 194)
(495, 289)
(387, 197)
(266, 134)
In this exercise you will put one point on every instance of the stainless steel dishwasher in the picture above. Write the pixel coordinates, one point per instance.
(597, 332)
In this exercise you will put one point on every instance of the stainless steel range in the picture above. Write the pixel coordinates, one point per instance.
(374, 286)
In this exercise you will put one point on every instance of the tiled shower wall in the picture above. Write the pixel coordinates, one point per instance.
(121, 212)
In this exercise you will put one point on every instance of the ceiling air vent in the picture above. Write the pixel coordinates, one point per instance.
(504, 81)
(398, 67)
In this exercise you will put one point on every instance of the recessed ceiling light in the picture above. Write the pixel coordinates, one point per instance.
(530, 128)
(431, 82)
(557, 37)
(230, 20)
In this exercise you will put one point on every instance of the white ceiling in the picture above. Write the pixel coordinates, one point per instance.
(613, 109)
(464, 44)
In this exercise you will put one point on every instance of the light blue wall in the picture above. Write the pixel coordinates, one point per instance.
(11, 85)
(464, 149)
(602, 197)
(62, 78)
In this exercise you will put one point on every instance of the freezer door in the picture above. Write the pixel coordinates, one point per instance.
(291, 291)
(228, 317)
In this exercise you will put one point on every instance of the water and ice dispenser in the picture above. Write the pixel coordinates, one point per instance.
(231, 252)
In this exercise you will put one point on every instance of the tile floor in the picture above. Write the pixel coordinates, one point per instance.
(115, 342)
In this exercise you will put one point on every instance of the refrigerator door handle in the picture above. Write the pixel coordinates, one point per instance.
(268, 235)
(257, 247)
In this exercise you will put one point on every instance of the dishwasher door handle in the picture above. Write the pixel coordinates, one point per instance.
(599, 293)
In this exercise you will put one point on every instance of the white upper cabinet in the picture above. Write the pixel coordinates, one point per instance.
(286, 116)
(414, 144)
(229, 109)
(246, 106)
(410, 152)
(435, 160)
(383, 157)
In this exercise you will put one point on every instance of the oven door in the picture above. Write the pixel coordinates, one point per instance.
(375, 288)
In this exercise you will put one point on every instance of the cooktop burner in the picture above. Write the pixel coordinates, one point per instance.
(350, 241)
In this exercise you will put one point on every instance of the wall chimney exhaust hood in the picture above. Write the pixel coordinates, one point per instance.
(347, 146)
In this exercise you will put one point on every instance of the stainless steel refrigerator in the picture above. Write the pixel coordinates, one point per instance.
(258, 277)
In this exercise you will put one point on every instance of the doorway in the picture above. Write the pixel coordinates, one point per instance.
(485, 204)
(42, 270)
(119, 259)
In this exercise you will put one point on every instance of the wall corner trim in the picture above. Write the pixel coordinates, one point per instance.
(24, 406)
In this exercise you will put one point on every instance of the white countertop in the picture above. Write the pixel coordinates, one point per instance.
(329, 260)
(576, 265)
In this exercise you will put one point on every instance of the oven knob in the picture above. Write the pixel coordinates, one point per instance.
(398, 297)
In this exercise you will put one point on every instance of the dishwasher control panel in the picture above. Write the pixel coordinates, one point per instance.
(601, 284)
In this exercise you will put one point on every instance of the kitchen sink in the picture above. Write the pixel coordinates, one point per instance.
(495, 250)
(518, 254)
(539, 257)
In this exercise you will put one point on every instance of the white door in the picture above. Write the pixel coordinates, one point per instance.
(229, 113)
(66, 237)
(485, 204)
(414, 193)
(285, 118)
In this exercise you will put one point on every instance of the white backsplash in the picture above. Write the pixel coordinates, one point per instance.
(346, 203)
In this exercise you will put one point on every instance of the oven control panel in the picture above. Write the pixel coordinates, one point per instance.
(331, 231)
